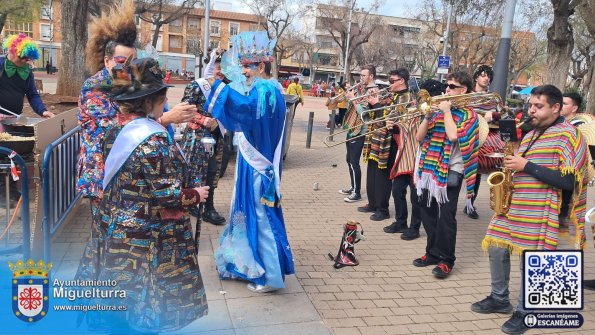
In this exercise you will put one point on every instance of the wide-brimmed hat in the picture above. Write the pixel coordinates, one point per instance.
(136, 79)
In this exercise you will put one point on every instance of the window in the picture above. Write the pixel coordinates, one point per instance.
(45, 30)
(215, 25)
(194, 23)
(13, 28)
(234, 28)
(213, 44)
(176, 23)
(159, 46)
(46, 12)
(175, 41)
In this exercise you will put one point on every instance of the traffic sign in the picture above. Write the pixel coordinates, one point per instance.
(443, 61)
(442, 70)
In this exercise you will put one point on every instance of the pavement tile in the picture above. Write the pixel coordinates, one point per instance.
(301, 328)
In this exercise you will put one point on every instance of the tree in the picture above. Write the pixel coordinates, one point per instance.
(560, 42)
(333, 18)
(585, 11)
(72, 70)
(160, 12)
(17, 10)
(277, 16)
(308, 51)
(97, 6)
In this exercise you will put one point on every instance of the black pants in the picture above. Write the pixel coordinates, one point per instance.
(440, 223)
(212, 170)
(354, 152)
(341, 116)
(379, 185)
(400, 184)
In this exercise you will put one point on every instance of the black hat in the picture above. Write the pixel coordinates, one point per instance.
(136, 79)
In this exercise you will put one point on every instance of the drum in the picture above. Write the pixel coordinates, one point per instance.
(493, 144)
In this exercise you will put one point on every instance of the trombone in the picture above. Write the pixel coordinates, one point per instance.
(382, 94)
(423, 103)
(340, 96)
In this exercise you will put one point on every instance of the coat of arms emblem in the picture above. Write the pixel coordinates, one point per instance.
(30, 289)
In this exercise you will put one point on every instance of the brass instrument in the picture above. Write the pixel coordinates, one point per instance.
(332, 102)
(500, 182)
(383, 93)
(423, 103)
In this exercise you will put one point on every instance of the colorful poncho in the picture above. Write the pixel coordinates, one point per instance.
(532, 221)
(378, 140)
(432, 172)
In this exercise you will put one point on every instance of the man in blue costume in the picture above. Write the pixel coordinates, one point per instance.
(254, 244)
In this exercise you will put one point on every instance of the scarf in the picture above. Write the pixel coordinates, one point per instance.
(435, 151)
(378, 140)
(532, 222)
(10, 68)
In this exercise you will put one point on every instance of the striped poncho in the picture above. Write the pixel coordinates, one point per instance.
(432, 172)
(532, 220)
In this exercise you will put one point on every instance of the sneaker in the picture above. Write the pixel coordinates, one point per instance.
(260, 288)
(515, 325)
(410, 234)
(471, 214)
(442, 271)
(424, 261)
(365, 209)
(346, 191)
(379, 216)
(394, 228)
(490, 305)
(328, 125)
(353, 198)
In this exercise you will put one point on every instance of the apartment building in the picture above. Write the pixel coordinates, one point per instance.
(178, 43)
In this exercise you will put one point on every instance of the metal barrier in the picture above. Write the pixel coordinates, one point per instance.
(59, 184)
(25, 247)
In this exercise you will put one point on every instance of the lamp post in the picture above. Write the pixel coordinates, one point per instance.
(446, 34)
(500, 83)
(205, 47)
(345, 68)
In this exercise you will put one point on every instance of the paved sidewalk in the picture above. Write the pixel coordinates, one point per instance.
(385, 294)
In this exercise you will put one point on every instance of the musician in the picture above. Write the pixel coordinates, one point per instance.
(449, 142)
(551, 158)
(380, 150)
(354, 147)
(571, 109)
(402, 170)
(482, 76)
(341, 104)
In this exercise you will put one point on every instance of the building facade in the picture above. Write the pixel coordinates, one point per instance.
(179, 43)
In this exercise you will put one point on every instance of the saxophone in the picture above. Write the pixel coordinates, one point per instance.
(501, 186)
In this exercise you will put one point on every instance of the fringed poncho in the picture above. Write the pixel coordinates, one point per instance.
(432, 172)
(532, 221)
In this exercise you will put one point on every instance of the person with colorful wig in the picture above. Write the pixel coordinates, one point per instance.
(254, 244)
(551, 159)
(16, 77)
(449, 142)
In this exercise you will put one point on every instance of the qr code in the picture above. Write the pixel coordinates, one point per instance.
(553, 279)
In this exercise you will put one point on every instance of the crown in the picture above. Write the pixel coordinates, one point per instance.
(254, 47)
(22, 269)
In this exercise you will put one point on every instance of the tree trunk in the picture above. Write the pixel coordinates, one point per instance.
(589, 90)
(156, 34)
(560, 43)
(72, 68)
(2, 20)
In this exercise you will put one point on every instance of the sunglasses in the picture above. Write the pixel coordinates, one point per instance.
(120, 59)
(24, 58)
(392, 81)
(453, 86)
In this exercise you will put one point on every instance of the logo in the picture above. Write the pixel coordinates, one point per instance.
(30, 289)
(530, 320)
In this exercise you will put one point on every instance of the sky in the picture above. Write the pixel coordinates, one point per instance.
(390, 8)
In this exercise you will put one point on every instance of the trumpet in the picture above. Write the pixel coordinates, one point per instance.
(423, 103)
(340, 96)
(383, 94)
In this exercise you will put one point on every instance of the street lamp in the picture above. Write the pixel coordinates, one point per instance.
(446, 34)
(500, 83)
(348, 40)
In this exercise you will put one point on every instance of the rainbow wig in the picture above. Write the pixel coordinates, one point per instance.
(22, 46)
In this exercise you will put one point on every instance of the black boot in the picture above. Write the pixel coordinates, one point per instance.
(210, 214)
(589, 284)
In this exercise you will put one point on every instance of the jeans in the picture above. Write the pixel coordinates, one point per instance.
(400, 184)
(354, 153)
(500, 271)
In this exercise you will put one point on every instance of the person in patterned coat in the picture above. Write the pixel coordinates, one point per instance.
(147, 247)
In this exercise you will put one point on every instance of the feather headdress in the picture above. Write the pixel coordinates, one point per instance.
(115, 24)
(21, 45)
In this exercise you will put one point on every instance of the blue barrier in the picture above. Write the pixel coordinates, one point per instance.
(25, 247)
(59, 184)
